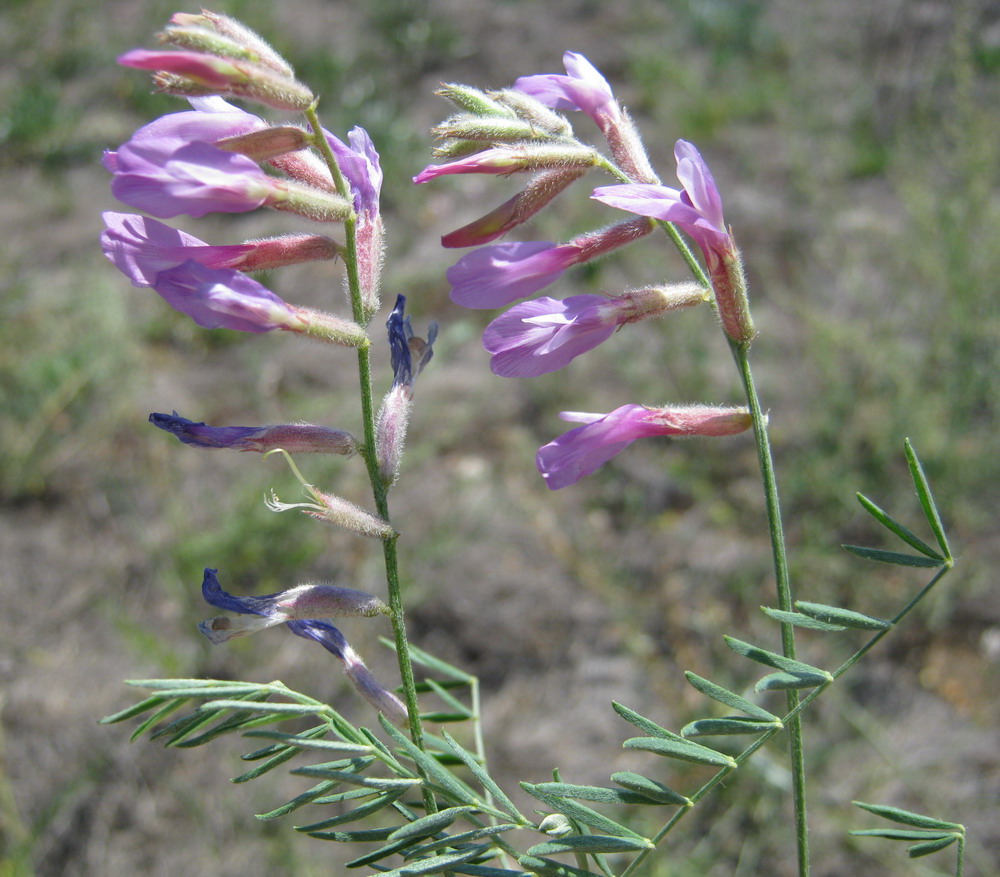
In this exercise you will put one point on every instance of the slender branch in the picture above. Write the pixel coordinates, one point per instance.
(784, 594)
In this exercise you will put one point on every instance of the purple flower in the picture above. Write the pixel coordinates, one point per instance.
(583, 88)
(582, 450)
(541, 336)
(225, 299)
(167, 177)
(498, 274)
(302, 602)
(359, 162)
(141, 248)
(296, 438)
(697, 208)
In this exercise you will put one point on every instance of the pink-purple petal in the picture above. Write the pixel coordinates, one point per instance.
(497, 274)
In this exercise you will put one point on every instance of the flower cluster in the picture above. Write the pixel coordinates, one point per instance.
(219, 158)
(519, 129)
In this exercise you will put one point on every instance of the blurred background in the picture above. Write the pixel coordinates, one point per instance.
(857, 148)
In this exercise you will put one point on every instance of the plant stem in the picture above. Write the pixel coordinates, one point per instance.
(379, 489)
(784, 593)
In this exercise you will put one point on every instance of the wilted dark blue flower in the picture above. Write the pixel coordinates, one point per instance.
(408, 354)
(296, 438)
(302, 602)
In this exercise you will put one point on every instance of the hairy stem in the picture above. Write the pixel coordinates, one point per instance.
(380, 490)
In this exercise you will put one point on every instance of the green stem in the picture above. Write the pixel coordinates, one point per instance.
(379, 488)
(784, 593)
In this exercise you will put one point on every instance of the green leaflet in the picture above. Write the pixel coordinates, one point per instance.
(600, 794)
(645, 725)
(729, 698)
(682, 750)
(926, 499)
(581, 813)
(771, 659)
(648, 788)
(730, 725)
(589, 843)
(877, 554)
(484, 779)
(845, 617)
(908, 817)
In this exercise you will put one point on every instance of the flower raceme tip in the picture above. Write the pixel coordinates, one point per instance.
(583, 450)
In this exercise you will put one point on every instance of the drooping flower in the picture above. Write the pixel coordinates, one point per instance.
(220, 298)
(697, 209)
(497, 274)
(296, 438)
(380, 698)
(141, 248)
(408, 355)
(300, 609)
(584, 449)
(301, 602)
(541, 336)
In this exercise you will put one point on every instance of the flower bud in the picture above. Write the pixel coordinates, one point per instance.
(239, 34)
(474, 101)
(513, 158)
(210, 74)
(535, 112)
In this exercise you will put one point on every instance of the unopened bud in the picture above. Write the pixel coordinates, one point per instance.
(238, 33)
(535, 112)
(221, 76)
(513, 158)
(474, 101)
(491, 129)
